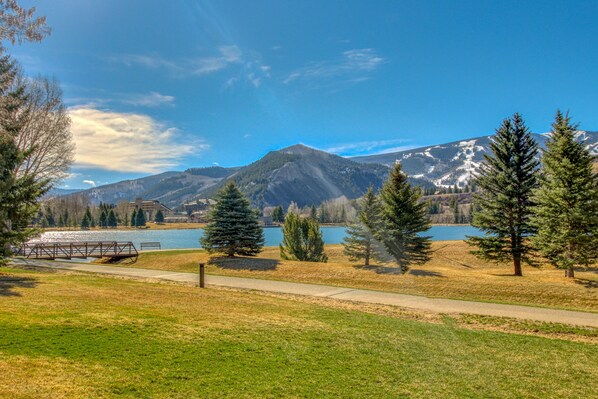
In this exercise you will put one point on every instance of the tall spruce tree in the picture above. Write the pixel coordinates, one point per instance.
(134, 218)
(506, 181)
(140, 218)
(19, 195)
(159, 216)
(566, 211)
(359, 242)
(302, 239)
(233, 228)
(103, 221)
(404, 218)
(278, 214)
(112, 220)
(313, 212)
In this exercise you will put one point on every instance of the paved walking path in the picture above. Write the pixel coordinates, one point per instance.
(438, 305)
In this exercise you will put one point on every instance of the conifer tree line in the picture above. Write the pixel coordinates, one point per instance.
(534, 203)
(528, 203)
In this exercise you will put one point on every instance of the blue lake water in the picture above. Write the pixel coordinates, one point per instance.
(189, 238)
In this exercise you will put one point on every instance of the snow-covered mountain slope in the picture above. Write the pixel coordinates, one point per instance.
(447, 165)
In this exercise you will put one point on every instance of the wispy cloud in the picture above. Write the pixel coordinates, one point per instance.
(127, 142)
(90, 182)
(369, 147)
(226, 55)
(152, 100)
(351, 65)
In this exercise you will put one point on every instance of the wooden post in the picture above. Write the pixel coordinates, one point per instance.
(202, 276)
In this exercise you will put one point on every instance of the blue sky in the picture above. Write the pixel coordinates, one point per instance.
(154, 85)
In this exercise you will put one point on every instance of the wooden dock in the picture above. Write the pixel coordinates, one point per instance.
(70, 250)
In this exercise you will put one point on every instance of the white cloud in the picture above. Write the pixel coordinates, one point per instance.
(369, 147)
(197, 66)
(351, 66)
(126, 142)
(151, 99)
(90, 182)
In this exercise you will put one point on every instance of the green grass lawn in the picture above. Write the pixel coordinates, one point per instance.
(70, 335)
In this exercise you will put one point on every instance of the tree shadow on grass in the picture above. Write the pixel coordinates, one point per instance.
(244, 263)
(587, 283)
(397, 271)
(8, 284)
(425, 273)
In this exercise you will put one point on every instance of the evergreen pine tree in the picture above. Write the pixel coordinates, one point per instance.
(278, 214)
(103, 221)
(159, 216)
(140, 218)
(404, 217)
(134, 218)
(89, 217)
(506, 180)
(302, 239)
(233, 228)
(359, 242)
(112, 221)
(313, 212)
(566, 211)
(85, 222)
(19, 195)
(456, 214)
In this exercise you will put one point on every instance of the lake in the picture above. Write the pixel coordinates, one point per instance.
(189, 238)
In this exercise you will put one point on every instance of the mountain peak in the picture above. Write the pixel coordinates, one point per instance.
(299, 149)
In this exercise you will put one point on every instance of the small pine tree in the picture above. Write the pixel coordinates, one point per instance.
(404, 217)
(103, 221)
(233, 228)
(566, 211)
(85, 223)
(360, 242)
(134, 218)
(90, 221)
(159, 216)
(313, 212)
(506, 180)
(140, 218)
(455, 208)
(112, 220)
(278, 214)
(302, 239)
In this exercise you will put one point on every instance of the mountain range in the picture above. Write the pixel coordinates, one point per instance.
(309, 176)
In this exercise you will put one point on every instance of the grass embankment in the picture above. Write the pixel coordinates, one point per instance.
(65, 335)
(451, 273)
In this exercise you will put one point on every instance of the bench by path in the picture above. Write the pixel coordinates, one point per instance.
(437, 305)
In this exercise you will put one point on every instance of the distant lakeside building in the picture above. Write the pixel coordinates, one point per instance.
(149, 207)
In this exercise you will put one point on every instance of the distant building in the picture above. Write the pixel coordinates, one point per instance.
(203, 204)
(149, 207)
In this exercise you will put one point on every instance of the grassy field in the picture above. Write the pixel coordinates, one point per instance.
(65, 335)
(452, 273)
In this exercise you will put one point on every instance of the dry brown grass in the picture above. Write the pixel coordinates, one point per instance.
(451, 273)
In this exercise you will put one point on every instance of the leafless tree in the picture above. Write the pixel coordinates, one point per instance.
(18, 24)
(46, 135)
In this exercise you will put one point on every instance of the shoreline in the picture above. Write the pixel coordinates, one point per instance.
(195, 226)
